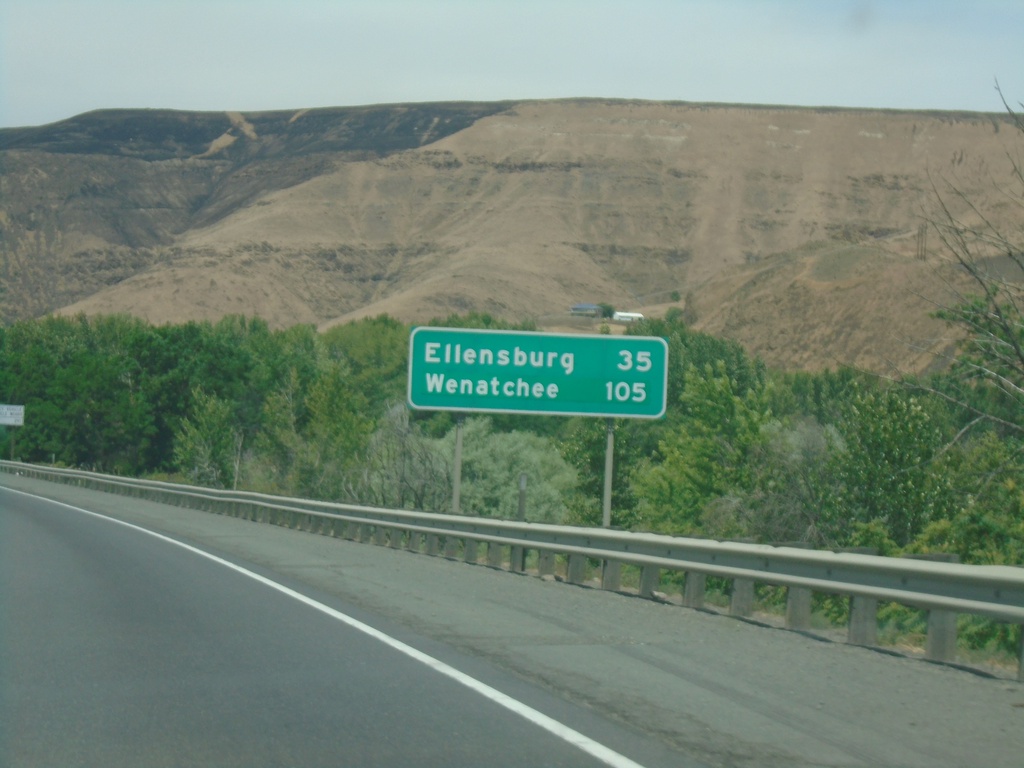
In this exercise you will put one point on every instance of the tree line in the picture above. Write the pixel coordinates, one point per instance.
(834, 459)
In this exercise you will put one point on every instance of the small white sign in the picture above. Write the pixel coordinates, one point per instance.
(12, 415)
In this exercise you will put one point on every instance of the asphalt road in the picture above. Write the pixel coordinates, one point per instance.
(119, 648)
(123, 649)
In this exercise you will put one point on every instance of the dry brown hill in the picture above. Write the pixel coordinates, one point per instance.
(792, 230)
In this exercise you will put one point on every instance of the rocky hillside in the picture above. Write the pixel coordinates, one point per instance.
(795, 231)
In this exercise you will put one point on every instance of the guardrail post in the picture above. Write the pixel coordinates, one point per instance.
(863, 626)
(693, 589)
(798, 599)
(650, 580)
(611, 575)
(379, 535)
(395, 540)
(433, 544)
(798, 608)
(451, 547)
(470, 548)
(741, 602)
(1020, 653)
(412, 543)
(576, 573)
(940, 644)
(546, 562)
(495, 554)
(517, 559)
(741, 598)
(863, 629)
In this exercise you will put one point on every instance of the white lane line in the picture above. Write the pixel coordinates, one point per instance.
(562, 731)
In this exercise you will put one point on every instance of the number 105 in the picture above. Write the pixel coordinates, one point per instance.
(623, 391)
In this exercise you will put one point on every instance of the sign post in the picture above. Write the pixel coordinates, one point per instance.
(609, 459)
(457, 474)
(477, 371)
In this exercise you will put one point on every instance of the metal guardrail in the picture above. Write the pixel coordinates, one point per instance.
(944, 589)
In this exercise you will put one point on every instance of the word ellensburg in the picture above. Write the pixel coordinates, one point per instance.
(511, 372)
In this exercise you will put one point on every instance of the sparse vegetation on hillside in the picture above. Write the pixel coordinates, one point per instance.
(518, 210)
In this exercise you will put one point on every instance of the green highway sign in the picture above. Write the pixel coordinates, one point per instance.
(456, 369)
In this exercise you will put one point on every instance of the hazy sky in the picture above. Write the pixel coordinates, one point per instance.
(59, 58)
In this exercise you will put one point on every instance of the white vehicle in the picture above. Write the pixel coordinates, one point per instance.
(627, 317)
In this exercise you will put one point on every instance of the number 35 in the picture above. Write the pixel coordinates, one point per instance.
(643, 361)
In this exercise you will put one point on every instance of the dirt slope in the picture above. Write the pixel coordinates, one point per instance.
(792, 230)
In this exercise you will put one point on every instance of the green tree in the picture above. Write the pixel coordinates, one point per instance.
(311, 441)
(691, 349)
(706, 456)
(403, 468)
(492, 463)
(787, 485)
(335, 435)
(278, 444)
(889, 466)
(376, 351)
(584, 444)
(82, 386)
(182, 360)
(987, 526)
(208, 444)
